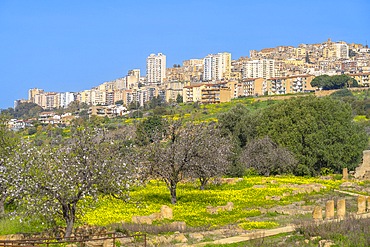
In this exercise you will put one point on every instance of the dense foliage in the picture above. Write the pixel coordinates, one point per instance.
(319, 131)
(327, 82)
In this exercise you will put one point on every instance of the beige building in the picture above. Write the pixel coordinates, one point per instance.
(192, 93)
(290, 85)
(361, 78)
(173, 89)
(215, 93)
(49, 100)
(253, 87)
(32, 92)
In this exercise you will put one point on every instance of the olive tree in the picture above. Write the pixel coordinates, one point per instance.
(57, 178)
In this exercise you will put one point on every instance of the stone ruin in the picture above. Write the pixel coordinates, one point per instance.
(363, 171)
(215, 210)
(165, 213)
(363, 206)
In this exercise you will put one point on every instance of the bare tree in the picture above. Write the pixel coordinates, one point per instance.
(183, 153)
(57, 178)
(267, 158)
(214, 154)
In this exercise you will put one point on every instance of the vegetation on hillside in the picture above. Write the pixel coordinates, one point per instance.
(60, 170)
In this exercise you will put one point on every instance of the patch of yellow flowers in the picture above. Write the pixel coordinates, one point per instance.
(192, 202)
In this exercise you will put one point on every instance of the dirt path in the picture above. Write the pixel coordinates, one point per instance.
(249, 236)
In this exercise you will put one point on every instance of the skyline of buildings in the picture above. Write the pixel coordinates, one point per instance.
(216, 77)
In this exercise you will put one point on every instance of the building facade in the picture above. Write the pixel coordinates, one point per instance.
(156, 68)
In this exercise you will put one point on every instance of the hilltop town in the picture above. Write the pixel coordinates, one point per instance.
(218, 78)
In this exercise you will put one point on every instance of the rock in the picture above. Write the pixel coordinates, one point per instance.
(71, 245)
(155, 216)
(108, 243)
(178, 226)
(259, 186)
(317, 213)
(286, 194)
(166, 212)
(229, 206)
(181, 238)
(346, 184)
(326, 243)
(96, 243)
(196, 236)
(142, 220)
(212, 210)
(306, 241)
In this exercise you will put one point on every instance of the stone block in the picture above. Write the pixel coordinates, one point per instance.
(178, 226)
(155, 216)
(341, 209)
(181, 238)
(142, 220)
(345, 173)
(166, 212)
(361, 204)
(317, 213)
(329, 210)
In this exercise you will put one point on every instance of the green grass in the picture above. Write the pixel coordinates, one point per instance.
(15, 225)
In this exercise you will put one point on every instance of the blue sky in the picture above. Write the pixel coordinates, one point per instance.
(73, 45)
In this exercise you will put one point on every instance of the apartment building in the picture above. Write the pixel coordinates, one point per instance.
(32, 92)
(215, 93)
(216, 66)
(252, 87)
(192, 93)
(66, 98)
(291, 84)
(263, 68)
(361, 78)
(48, 101)
(156, 68)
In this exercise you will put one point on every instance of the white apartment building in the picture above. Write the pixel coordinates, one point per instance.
(341, 50)
(156, 68)
(264, 68)
(216, 66)
(66, 98)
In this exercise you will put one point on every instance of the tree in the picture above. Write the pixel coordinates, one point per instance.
(179, 99)
(8, 171)
(27, 110)
(182, 153)
(241, 125)
(214, 155)
(319, 131)
(150, 129)
(57, 178)
(267, 158)
(333, 82)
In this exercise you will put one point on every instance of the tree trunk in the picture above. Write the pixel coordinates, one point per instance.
(2, 207)
(173, 193)
(203, 182)
(69, 213)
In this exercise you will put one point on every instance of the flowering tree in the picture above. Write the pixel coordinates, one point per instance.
(8, 173)
(58, 178)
